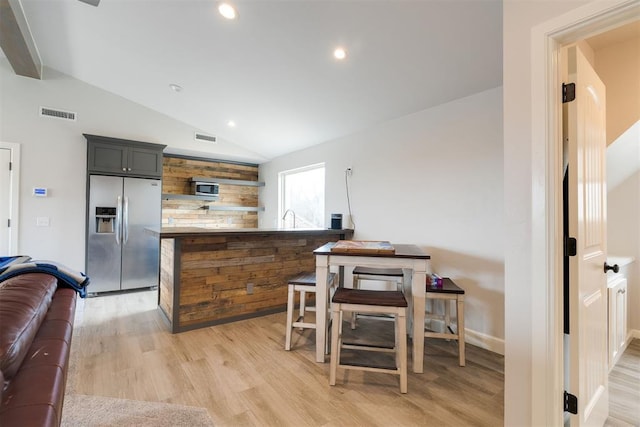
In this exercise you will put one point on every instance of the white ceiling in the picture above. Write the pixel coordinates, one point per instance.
(272, 70)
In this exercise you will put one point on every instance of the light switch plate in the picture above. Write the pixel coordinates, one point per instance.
(42, 221)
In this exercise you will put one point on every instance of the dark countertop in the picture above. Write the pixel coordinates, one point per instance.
(173, 232)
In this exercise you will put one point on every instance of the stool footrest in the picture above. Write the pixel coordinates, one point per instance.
(379, 316)
(359, 367)
(304, 325)
(440, 335)
(369, 347)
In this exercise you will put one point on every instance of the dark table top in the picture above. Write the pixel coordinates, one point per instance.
(402, 251)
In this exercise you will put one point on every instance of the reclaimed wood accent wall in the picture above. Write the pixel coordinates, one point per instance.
(176, 179)
(228, 277)
(167, 284)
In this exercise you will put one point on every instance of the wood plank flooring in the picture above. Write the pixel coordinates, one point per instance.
(624, 388)
(241, 373)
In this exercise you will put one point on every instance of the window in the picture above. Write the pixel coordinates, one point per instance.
(301, 197)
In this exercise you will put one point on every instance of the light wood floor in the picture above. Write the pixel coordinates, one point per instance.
(624, 389)
(241, 373)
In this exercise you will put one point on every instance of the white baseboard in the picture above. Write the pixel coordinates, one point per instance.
(633, 333)
(481, 340)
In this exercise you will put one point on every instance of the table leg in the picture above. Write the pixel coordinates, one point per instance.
(418, 292)
(407, 279)
(460, 316)
(322, 296)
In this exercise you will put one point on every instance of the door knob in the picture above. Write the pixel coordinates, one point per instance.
(613, 267)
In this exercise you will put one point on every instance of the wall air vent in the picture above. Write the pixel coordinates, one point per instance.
(205, 138)
(57, 114)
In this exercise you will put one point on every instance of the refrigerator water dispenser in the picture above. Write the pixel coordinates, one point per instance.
(105, 220)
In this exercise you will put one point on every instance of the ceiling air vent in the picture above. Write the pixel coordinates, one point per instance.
(205, 138)
(57, 114)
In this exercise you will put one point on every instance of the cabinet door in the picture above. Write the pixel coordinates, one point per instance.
(109, 158)
(144, 162)
(621, 317)
(617, 319)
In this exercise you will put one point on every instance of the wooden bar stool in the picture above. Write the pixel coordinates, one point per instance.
(394, 275)
(303, 283)
(367, 301)
(449, 291)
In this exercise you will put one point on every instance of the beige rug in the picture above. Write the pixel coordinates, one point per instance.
(92, 411)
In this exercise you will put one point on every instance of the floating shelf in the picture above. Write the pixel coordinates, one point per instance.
(236, 208)
(169, 196)
(208, 199)
(228, 181)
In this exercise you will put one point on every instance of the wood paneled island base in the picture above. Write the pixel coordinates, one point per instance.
(210, 276)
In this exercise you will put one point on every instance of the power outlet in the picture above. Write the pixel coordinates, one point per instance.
(42, 221)
(249, 288)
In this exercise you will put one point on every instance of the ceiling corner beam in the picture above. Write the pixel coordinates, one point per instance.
(16, 40)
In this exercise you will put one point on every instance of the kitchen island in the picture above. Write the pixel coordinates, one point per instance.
(210, 276)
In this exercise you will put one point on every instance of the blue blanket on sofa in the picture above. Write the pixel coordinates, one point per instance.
(66, 277)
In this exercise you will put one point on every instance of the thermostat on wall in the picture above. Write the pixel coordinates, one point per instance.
(39, 191)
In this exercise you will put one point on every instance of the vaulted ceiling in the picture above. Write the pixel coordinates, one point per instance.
(272, 70)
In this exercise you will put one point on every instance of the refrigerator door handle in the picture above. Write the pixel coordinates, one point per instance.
(125, 228)
(118, 220)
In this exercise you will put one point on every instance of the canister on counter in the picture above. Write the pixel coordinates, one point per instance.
(336, 221)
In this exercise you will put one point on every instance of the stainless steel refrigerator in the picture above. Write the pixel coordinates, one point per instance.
(120, 253)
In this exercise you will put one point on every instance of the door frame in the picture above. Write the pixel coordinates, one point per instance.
(14, 150)
(547, 371)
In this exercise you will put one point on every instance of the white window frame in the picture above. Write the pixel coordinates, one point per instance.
(281, 188)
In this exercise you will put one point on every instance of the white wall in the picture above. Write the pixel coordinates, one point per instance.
(618, 65)
(54, 153)
(433, 178)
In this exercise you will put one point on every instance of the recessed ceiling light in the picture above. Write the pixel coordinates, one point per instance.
(176, 88)
(340, 53)
(227, 11)
(231, 124)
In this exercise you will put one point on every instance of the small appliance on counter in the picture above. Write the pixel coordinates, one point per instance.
(336, 221)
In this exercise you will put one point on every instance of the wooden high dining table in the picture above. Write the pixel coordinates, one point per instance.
(414, 262)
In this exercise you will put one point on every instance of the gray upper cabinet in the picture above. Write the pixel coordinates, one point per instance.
(123, 157)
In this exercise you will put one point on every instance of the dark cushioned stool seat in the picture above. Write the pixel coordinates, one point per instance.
(367, 297)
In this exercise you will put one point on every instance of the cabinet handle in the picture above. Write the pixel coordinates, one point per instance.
(129, 169)
(124, 169)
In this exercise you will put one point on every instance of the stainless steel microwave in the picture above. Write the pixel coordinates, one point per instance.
(210, 189)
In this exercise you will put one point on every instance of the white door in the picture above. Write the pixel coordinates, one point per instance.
(5, 201)
(586, 143)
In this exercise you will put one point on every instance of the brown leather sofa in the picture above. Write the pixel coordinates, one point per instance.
(36, 326)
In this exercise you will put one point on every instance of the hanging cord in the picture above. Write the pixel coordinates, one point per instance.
(346, 184)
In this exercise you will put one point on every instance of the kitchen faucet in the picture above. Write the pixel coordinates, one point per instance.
(285, 215)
